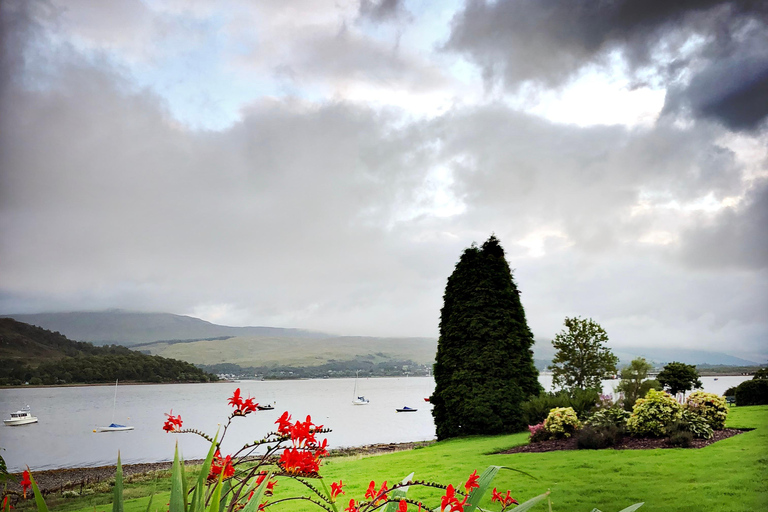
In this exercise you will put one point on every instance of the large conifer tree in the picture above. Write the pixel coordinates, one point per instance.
(484, 369)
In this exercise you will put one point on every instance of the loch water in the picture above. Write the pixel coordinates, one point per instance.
(64, 437)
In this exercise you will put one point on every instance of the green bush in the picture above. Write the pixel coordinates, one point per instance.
(730, 391)
(561, 422)
(598, 437)
(614, 416)
(752, 392)
(582, 401)
(712, 408)
(652, 414)
(681, 438)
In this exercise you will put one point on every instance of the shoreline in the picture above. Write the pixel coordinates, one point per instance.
(56, 480)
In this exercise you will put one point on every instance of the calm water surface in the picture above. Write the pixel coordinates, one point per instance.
(64, 435)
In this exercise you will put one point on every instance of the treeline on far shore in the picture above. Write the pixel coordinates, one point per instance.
(333, 369)
(35, 356)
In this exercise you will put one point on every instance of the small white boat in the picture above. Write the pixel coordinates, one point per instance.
(406, 409)
(358, 400)
(22, 417)
(113, 427)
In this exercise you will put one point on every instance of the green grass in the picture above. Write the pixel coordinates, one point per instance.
(731, 475)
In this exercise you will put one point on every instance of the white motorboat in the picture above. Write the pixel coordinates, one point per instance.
(22, 417)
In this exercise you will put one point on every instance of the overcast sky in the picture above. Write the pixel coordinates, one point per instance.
(322, 164)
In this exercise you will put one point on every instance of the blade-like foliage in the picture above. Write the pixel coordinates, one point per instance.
(531, 502)
(484, 482)
(41, 506)
(253, 504)
(397, 495)
(632, 508)
(117, 502)
(178, 496)
(198, 496)
(216, 496)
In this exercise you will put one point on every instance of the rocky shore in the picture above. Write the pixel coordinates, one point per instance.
(57, 480)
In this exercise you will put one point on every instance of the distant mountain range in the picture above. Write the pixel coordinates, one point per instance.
(201, 342)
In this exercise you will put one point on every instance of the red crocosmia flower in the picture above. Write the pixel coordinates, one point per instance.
(26, 482)
(284, 424)
(504, 500)
(382, 492)
(448, 498)
(236, 400)
(249, 406)
(7, 506)
(173, 423)
(403, 507)
(336, 489)
(371, 492)
(472, 482)
(351, 507)
(218, 465)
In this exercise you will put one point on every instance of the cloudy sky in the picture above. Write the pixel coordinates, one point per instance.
(323, 163)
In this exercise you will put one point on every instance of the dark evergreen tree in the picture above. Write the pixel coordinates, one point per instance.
(484, 369)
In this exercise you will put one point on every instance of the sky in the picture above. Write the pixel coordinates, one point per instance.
(323, 164)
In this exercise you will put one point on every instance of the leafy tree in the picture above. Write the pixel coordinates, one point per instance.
(484, 368)
(633, 381)
(582, 360)
(679, 377)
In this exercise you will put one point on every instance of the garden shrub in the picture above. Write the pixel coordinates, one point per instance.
(597, 437)
(681, 438)
(614, 416)
(691, 422)
(709, 406)
(561, 422)
(538, 433)
(652, 414)
(730, 391)
(582, 401)
(752, 392)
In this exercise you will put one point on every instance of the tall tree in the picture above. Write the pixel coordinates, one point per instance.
(582, 359)
(633, 381)
(679, 377)
(484, 369)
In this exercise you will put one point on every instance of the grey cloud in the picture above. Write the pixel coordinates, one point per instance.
(383, 10)
(735, 238)
(548, 42)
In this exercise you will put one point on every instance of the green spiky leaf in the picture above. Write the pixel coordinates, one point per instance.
(397, 495)
(117, 502)
(178, 496)
(41, 506)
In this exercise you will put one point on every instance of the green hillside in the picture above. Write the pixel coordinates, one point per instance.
(38, 356)
(289, 351)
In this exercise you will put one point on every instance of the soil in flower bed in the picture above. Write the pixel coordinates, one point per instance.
(626, 443)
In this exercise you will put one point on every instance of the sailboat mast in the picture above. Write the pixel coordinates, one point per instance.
(114, 402)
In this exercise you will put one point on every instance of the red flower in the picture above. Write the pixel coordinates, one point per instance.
(6, 506)
(25, 483)
(284, 424)
(172, 424)
(472, 482)
(504, 500)
(450, 500)
(236, 400)
(371, 492)
(294, 461)
(336, 489)
(351, 507)
(219, 465)
(403, 507)
(249, 406)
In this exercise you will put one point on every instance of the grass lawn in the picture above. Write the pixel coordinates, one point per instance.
(730, 475)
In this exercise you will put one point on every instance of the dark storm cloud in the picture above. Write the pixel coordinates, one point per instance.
(548, 42)
(382, 10)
